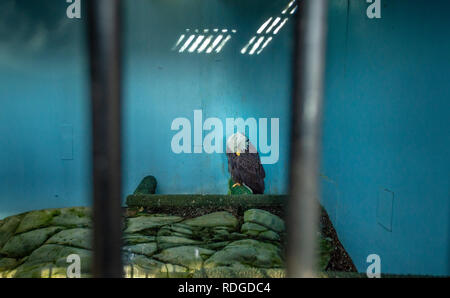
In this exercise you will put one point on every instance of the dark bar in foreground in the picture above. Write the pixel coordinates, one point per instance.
(306, 133)
(104, 46)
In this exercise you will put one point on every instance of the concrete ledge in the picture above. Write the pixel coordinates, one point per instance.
(192, 200)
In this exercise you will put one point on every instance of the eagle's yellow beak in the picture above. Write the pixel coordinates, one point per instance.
(238, 153)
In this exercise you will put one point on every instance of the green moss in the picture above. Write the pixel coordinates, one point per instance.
(225, 247)
(216, 219)
(239, 272)
(35, 220)
(173, 241)
(198, 200)
(325, 249)
(8, 228)
(247, 253)
(130, 239)
(23, 244)
(266, 219)
(142, 223)
(187, 256)
(147, 249)
(147, 186)
(7, 264)
(78, 237)
(77, 211)
(55, 212)
(75, 217)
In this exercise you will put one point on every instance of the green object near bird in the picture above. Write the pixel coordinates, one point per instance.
(240, 189)
(147, 186)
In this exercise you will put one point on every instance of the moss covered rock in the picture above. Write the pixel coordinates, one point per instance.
(146, 222)
(78, 237)
(23, 244)
(50, 260)
(265, 218)
(191, 257)
(8, 228)
(38, 243)
(139, 266)
(147, 249)
(130, 239)
(178, 229)
(260, 232)
(240, 272)
(147, 186)
(173, 241)
(249, 252)
(41, 270)
(7, 264)
(75, 217)
(324, 252)
(222, 218)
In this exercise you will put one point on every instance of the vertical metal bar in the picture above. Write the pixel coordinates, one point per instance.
(105, 59)
(306, 133)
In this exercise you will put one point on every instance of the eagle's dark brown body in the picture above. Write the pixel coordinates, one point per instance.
(247, 169)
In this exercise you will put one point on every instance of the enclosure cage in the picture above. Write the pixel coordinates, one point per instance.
(223, 138)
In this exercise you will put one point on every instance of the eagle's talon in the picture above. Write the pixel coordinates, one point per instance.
(236, 184)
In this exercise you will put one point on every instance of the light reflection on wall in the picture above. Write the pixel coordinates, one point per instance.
(267, 31)
(201, 42)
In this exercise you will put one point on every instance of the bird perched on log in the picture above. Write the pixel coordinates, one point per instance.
(244, 163)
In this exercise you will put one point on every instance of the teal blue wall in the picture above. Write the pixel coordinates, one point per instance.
(43, 96)
(45, 116)
(161, 85)
(387, 133)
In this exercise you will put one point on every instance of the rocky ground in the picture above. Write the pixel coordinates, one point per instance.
(215, 244)
(339, 260)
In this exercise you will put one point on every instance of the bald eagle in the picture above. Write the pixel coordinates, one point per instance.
(244, 163)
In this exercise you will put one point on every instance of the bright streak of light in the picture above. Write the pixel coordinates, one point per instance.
(215, 42)
(224, 30)
(273, 24)
(196, 43)
(186, 44)
(280, 26)
(288, 6)
(263, 26)
(233, 30)
(219, 48)
(178, 42)
(294, 10)
(205, 44)
(244, 49)
(264, 45)
(256, 45)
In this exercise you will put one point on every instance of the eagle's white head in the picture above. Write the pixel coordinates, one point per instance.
(237, 143)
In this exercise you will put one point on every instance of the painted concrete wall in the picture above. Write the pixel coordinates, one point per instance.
(45, 116)
(161, 85)
(386, 133)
